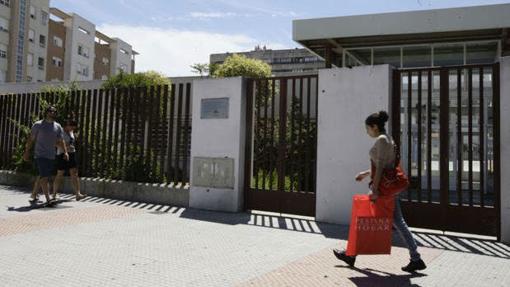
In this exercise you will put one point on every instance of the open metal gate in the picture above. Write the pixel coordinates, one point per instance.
(447, 122)
(281, 144)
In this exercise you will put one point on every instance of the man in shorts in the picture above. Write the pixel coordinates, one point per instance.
(46, 134)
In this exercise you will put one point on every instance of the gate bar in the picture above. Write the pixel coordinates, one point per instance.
(470, 135)
(419, 163)
(496, 144)
(460, 141)
(444, 139)
(480, 137)
(409, 130)
(283, 131)
(248, 140)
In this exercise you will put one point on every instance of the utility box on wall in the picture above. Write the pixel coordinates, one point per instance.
(213, 172)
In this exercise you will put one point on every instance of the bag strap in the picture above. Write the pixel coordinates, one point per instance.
(396, 148)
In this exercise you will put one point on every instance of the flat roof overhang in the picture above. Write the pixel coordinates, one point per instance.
(476, 23)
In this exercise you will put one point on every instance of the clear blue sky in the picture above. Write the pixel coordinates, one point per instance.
(171, 35)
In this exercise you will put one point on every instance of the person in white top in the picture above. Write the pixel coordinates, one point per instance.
(382, 155)
(71, 165)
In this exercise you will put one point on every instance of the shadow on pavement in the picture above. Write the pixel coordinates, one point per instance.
(472, 245)
(282, 222)
(437, 239)
(39, 205)
(380, 278)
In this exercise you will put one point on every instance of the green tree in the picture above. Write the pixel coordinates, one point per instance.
(200, 68)
(62, 100)
(212, 68)
(239, 65)
(136, 80)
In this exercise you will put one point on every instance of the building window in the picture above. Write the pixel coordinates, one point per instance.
(57, 62)
(44, 18)
(104, 77)
(57, 41)
(3, 51)
(82, 70)
(3, 75)
(105, 61)
(5, 2)
(481, 53)
(124, 52)
(40, 63)
(30, 59)
(42, 41)
(4, 24)
(448, 55)
(32, 12)
(83, 51)
(84, 31)
(31, 35)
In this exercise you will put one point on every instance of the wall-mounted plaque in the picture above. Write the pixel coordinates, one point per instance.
(215, 108)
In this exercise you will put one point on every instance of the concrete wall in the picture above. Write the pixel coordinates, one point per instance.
(346, 98)
(17, 88)
(219, 138)
(115, 189)
(505, 148)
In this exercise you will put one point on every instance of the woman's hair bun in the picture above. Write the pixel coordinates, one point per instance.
(383, 116)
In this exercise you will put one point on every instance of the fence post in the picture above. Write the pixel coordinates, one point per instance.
(217, 144)
(502, 176)
(346, 98)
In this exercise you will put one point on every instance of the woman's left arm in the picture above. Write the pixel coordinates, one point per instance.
(379, 165)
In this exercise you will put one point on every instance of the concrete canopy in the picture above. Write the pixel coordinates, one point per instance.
(327, 37)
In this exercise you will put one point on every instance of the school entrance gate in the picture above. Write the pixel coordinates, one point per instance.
(447, 124)
(281, 144)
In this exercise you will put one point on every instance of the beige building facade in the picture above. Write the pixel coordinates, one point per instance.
(39, 43)
(23, 40)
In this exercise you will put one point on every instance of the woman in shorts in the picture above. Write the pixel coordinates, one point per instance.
(71, 165)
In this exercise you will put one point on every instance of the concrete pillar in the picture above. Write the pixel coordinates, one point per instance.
(217, 144)
(504, 147)
(346, 98)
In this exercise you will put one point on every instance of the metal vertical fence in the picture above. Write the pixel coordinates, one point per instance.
(446, 122)
(132, 134)
(282, 138)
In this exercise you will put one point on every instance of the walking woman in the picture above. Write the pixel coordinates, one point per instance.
(71, 165)
(383, 155)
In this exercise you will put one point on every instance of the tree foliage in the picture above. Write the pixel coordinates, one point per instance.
(136, 80)
(239, 65)
(200, 68)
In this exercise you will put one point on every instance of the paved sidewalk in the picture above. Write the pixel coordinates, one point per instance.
(104, 242)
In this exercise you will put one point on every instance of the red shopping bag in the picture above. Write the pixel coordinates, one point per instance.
(371, 223)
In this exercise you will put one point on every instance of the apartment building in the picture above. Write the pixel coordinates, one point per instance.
(79, 52)
(39, 43)
(282, 62)
(112, 56)
(23, 40)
